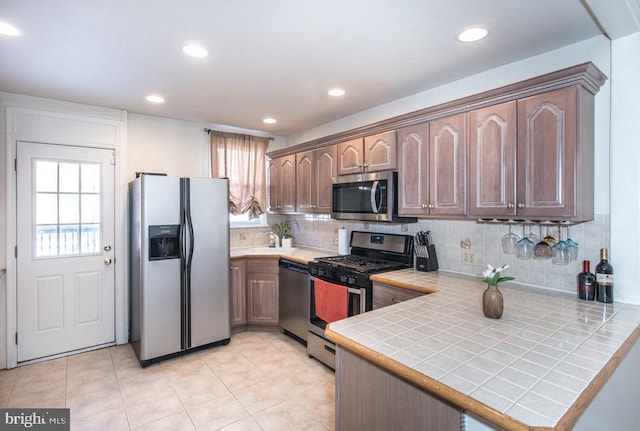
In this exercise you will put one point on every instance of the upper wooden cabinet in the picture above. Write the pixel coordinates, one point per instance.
(314, 170)
(282, 176)
(351, 157)
(536, 165)
(522, 151)
(555, 155)
(371, 154)
(447, 167)
(492, 160)
(413, 170)
(431, 171)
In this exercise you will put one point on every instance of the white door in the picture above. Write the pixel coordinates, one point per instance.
(65, 237)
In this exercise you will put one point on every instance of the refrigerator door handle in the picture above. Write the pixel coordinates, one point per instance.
(189, 227)
(184, 281)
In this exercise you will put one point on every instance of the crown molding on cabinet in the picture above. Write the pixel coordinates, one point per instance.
(586, 74)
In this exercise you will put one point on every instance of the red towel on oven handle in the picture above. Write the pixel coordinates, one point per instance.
(331, 300)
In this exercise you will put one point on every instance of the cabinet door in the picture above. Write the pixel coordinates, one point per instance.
(238, 293)
(492, 160)
(262, 298)
(305, 184)
(380, 152)
(326, 166)
(273, 174)
(384, 295)
(413, 170)
(288, 184)
(447, 142)
(546, 151)
(350, 157)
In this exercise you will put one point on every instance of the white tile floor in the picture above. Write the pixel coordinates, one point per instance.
(260, 381)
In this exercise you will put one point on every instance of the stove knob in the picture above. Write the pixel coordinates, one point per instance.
(343, 278)
(313, 271)
(321, 272)
(352, 280)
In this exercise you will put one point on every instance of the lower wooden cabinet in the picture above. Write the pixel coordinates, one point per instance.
(238, 294)
(370, 398)
(262, 299)
(384, 295)
(254, 292)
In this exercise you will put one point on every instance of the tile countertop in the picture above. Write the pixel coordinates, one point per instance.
(296, 254)
(537, 366)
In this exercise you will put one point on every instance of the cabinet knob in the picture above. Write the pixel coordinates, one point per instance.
(366, 165)
(431, 206)
(424, 206)
(520, 205)
(510, 206)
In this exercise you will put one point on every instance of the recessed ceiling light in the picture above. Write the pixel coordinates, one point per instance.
(269, 120)
(155, 99)
(336, 92)
(8, 29)
(195, 51)
(473, 34)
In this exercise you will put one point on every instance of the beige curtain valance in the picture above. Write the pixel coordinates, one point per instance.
(241, 158)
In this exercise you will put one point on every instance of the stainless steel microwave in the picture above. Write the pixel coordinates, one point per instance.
(369, 197)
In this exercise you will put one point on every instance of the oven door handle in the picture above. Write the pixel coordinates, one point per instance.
(375, 207)
(361, 295)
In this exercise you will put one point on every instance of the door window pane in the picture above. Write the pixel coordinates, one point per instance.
(90, 205)
(90, 238)
(69, 177)
(46, 208)
(67, 208)
(69, 239)
(46, 240)
(90, 179)
(46, 176)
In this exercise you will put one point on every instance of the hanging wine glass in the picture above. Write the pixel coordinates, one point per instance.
(532, 236)
(549, 239)
(574, 247)
(560, 252)
(524, 247)
(509, 242)
(542, 250)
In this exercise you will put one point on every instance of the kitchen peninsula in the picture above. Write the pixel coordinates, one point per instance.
(440, 363)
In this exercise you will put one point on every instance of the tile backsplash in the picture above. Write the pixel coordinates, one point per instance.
(483, 240)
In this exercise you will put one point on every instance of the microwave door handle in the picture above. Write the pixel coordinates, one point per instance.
(374, 202)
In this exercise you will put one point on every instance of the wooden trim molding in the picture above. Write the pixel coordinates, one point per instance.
(401, 284)
(586, 74)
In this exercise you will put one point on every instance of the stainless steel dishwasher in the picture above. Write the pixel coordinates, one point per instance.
(294, 299)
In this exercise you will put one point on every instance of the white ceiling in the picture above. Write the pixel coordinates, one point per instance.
(269, 58)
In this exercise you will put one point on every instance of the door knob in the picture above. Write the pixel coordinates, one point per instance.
(107, 261)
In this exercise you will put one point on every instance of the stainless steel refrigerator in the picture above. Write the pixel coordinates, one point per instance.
(179, 240)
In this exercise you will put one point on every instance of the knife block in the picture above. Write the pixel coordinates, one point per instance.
(426, 259)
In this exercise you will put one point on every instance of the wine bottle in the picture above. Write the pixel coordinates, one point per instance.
(604, 278)
(586, 283)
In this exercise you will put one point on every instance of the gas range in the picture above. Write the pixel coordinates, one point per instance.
(370, 253)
